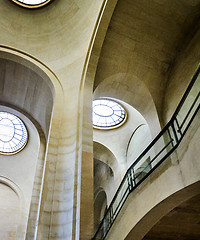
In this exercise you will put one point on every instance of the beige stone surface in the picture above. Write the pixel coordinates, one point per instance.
(172, 183)
(142, 53)
(9, 212)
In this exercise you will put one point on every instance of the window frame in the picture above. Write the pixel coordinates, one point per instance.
(27, 136)
(114, 126)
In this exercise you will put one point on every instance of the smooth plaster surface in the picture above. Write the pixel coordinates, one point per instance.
(66, 42)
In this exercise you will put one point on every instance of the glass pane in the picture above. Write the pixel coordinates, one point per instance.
(120, 198)
(13, 133)
(154, 155)
(32, 2)
(189, 106)
(107, 113)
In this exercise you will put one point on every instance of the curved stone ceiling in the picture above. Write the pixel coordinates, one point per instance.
(182, 223)
(144, 38)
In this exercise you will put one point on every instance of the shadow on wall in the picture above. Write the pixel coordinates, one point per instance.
(106, 170)
(100, 207)
(24, 89)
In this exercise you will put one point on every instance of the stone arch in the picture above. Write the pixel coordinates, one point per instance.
(84, 124)
(50, 118)
(102, 153)
(106, 170)
(100, 206)
(88, 76)
(19, 66)
(130, 89)
(162, 209)
(25, 169)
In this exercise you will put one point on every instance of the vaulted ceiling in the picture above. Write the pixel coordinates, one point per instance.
(143, 39)
(182, 223)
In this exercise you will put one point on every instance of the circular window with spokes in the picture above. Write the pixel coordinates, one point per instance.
(108, 114)
(13, 134)
(31, 3)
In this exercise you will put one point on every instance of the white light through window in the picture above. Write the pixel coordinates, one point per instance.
(31, 3)
(107, 114)
(13, 133)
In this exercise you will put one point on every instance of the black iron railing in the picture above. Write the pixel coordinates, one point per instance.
(157, 151)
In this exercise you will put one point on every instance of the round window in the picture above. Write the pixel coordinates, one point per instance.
(108, 114)
(13, 134)
(31, 3)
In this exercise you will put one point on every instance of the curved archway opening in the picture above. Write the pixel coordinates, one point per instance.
(25, 90)
(100, 207)
(106, 171)
(180, 223)
(31, 91)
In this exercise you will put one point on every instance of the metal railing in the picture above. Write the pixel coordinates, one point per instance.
(157, 151)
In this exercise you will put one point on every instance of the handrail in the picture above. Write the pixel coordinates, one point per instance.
(155, 153)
